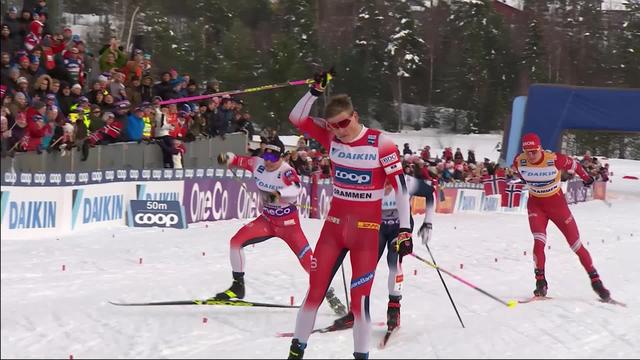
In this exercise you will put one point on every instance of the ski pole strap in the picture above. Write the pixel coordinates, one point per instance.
(505, 303)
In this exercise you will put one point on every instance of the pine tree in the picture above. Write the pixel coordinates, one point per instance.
(533, 54)
(404, 50)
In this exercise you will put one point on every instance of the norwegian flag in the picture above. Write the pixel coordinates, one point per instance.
(494, 184)
(512, 195)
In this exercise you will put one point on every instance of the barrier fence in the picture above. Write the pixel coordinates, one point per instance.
(39, 204)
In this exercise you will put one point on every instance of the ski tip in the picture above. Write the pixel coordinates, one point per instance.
(613, 302)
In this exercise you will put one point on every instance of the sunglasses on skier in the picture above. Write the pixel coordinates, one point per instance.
(340, 124)
(270, 156)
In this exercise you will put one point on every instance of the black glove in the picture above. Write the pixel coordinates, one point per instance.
(320, 82)
(403, 243)
(223, 158)
(588, 183)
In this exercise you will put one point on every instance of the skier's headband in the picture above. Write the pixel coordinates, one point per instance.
(274, 148)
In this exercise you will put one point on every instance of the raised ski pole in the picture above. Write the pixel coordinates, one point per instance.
(510, 303)
(239, 91)
(445, 286)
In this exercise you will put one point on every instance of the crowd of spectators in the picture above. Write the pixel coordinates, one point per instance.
(454, 167)
(57, 95)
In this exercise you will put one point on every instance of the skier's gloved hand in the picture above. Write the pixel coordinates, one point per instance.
(320, 82)
(403, 243)
(588, 183)
(273, 197)
(425, 233)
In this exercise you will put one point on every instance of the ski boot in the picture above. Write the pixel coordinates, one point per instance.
(296, 351)
(335, 303)
(345, 322)
(541, 283)
(236, 291)
(393, 312)
(357, 355)
(598, 287)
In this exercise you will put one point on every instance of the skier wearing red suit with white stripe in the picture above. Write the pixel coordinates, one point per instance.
(279, 185)
(362, 160)
(541, 170)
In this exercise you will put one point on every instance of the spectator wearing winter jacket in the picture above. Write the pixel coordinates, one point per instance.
(135, 125)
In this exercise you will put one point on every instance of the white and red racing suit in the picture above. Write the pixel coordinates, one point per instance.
(278, 219)
(359, 171)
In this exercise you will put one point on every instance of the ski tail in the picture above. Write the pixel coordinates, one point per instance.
(212, 302)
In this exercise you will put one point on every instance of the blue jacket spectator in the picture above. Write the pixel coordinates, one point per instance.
(135, 125)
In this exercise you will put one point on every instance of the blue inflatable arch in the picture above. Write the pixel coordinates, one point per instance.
(551, 109)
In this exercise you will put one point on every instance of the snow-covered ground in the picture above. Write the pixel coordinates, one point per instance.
(50, 313)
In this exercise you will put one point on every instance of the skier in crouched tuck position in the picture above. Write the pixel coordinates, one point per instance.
(279, 185)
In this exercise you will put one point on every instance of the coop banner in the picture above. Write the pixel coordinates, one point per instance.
(156, 213)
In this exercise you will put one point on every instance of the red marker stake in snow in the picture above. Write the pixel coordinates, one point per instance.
(291, 300)
(71, 357)
(204, 320)
(140, 261)
(64, 267)
(461, 265)
(415, 272)
(496, 259)
(524, 253)
(203, 253)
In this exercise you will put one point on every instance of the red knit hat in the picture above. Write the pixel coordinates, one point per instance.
(530, 142)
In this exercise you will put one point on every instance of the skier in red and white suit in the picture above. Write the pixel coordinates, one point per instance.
(362, 159)
(541, 170)
(280, 185)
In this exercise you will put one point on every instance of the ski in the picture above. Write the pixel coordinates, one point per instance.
(242, 303)
(614, 302)
(327, 329)
(534, 298)
(386, 337)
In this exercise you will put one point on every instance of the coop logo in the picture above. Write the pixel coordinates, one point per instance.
(199, 172)
(145, 213)
(39, 178)
(70, 178)
(352, 176)
(168, 174)
(55, 178)
(25, 178)
(27, 214)
(10, 178)
(156, 219)
(179, 173)
(95, 208)
(146, 174)
(83, 177)
(109, 175)
(96, 176)
(362, 280)
(156, 174)
(188, 173)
